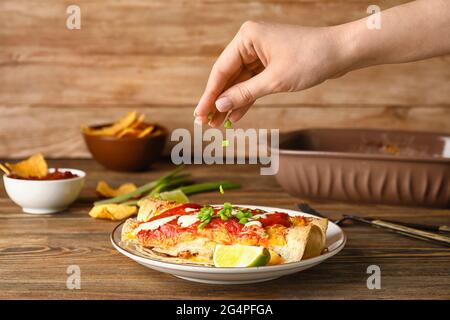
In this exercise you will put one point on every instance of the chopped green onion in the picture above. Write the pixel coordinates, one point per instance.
(203, 224)
(225, 143)
(243, 216)
(228, 124)
(226, 212)
(210, 115)
(205, 215)
(221, 189)
(243, 220)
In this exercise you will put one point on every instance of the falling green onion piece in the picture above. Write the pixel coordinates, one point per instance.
(227, 124)
(221, 189)
(225, 143)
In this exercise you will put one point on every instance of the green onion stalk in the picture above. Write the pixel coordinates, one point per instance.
(197, 188)
(170, 184)
(142, 189)
(208, 186)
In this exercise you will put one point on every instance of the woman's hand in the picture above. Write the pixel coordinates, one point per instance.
(268, 58)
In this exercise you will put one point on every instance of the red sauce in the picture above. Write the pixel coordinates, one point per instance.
(56, 175)
(167, 231)
(231, 225)
(276, 218)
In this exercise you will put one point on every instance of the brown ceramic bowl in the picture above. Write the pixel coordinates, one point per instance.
(367, 166)
(127, 153)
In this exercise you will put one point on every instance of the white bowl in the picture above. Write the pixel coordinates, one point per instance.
(45, 196)
(334, 243)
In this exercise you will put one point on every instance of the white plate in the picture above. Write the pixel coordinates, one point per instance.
(335, 242)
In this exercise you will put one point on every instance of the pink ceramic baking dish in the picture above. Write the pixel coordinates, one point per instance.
(367, 166)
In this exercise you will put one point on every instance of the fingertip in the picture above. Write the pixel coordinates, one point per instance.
(198, 110)
(203, 106)
(200, 120)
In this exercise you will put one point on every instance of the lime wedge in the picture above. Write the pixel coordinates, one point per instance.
(240, 256)
(174, 195)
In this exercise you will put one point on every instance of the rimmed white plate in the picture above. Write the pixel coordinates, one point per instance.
(335, 242)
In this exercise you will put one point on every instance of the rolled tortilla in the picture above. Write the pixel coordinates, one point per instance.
(303, 242)
(306, 238)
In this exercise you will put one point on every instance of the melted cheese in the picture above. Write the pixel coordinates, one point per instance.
(187, 220)
(297, 214)
(155, 224)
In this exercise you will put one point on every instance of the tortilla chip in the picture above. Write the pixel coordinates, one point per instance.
(157, 133)
(146, 131)
(85, 129)
(128, 126)
(34, 166)
(5, 169)
(113, 212)
(127, 132)
(106, 191)
(119, 125)
(138, 122)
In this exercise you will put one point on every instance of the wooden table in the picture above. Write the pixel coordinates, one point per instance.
(35, 251)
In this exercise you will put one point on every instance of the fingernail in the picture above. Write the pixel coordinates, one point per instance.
(224, 104)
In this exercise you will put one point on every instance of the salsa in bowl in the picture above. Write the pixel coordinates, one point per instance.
(48, 194)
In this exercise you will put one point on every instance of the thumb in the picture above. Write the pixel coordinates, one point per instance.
(244, 93)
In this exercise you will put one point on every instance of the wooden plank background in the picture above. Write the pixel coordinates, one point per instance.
(155, 56)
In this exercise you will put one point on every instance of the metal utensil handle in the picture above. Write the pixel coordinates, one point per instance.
(413, 232)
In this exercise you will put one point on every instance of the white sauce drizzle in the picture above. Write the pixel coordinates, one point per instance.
(187, 220)
(260, 216)
(253, 223)
(155, 224)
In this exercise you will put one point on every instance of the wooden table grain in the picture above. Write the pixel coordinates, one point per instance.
(35, 251)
